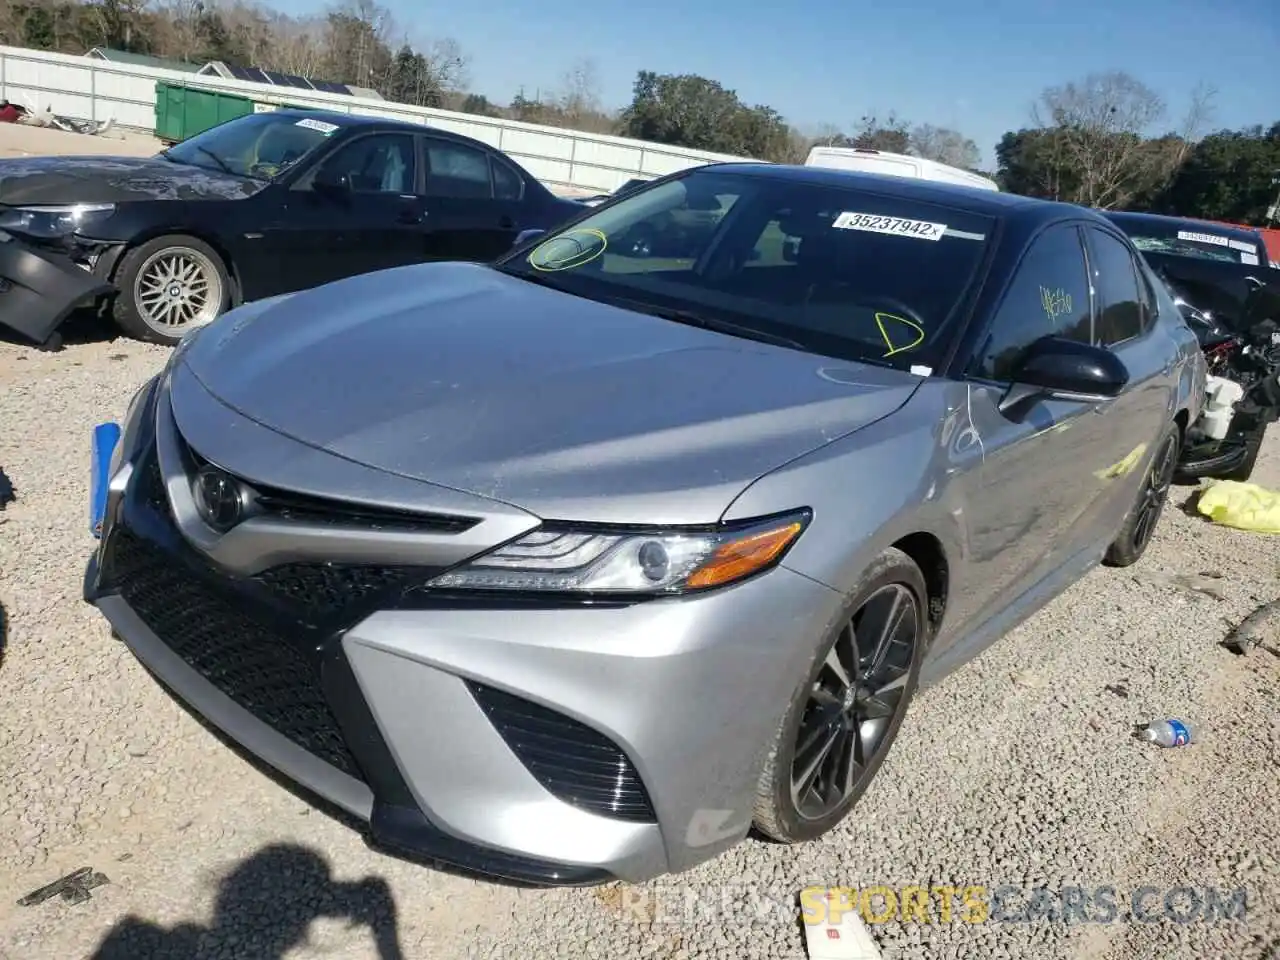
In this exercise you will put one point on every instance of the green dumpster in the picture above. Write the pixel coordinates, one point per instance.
(182, 112)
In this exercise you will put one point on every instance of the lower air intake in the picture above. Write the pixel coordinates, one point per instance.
(577, 764)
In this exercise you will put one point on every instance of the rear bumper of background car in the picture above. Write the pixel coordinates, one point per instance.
(542, 744)
(39, 288)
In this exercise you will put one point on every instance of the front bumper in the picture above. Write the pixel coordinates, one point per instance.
(565, 745)
(39, 288)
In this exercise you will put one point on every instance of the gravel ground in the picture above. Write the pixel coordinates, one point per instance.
(1017, 770)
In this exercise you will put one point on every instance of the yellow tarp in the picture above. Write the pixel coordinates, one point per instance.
(1246, 506)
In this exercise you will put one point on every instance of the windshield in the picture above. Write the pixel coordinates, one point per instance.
(1197, 244)
(839, 271)
(260, 145)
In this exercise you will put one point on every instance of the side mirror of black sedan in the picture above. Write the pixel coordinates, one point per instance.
(1067, 370)
(524, 236)
(331, 182)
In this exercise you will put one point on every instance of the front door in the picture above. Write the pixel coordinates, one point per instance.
(473, 202)
(1038, 466)
(381, 212)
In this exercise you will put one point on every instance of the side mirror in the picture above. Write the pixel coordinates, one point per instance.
(1066, 370)
(524, 236)
(331, 182)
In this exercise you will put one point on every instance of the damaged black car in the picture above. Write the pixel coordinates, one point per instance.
(1219, 278)
(262, 205)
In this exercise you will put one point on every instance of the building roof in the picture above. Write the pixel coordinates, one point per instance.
(142, 60)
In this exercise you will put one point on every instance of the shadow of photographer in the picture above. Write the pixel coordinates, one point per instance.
(264, 909)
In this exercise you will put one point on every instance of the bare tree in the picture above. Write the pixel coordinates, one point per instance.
(945, 146)
(1100, 126)
(578, 97)
(186, 32)
(298, 48)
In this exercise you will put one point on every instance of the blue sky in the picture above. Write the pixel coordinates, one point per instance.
(977, 67)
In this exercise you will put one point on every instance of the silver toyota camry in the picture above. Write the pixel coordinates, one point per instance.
(577, 565)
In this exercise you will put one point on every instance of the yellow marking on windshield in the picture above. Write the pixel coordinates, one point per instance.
(888, 341)
(1056, 303)
(584, 253)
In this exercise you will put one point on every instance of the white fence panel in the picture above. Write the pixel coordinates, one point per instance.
(85, 88)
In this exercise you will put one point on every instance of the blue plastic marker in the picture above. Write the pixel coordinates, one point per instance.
(105, 438)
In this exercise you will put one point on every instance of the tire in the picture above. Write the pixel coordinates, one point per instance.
(778, 815)
(201, 287)
(1144, 516)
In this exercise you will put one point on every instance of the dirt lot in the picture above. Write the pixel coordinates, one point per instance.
(1019, 770)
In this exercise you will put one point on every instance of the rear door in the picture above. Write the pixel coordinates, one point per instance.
(473, 201)
(1124, 322)
(1037, 476)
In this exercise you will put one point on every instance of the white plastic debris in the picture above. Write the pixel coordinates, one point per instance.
(847, 938)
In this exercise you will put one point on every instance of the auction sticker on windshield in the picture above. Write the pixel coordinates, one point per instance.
(896, 226)
(1203, 238)
(322, 126)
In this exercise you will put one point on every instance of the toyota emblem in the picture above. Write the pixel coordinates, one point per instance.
(219, 498)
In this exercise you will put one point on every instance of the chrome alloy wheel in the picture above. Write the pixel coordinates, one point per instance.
(177, 288)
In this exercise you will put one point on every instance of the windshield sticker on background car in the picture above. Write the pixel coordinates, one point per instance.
(568, 250)
(1249, 259)
(322, 126)
(886, 320)
(895, 226)
(1056, 303)
(1203, 238)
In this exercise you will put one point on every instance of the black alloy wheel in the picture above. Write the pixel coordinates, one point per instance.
(1135, 536)
(853, 701)
(844, 715)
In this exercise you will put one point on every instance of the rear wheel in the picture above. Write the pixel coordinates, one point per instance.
(1139, 526)
(168, 287)
(845, 713)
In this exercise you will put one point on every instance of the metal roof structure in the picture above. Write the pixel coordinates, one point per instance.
(277, 79)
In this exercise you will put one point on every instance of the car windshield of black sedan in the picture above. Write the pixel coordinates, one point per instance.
(260, 146)
(839, 271)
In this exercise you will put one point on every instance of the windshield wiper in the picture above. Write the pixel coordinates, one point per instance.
(716, 324)
(218, 160)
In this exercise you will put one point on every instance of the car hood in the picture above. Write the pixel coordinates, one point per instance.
(37, 180)
(459, 375)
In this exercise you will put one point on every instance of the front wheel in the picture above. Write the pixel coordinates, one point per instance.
(845, 713)
(168, 287)
(1140, 524)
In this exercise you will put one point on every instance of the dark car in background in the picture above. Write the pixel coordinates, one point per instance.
(1220, 271)
(262, 205)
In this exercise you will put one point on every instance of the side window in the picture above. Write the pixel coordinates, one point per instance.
(456, 170)
(1048, 296)
(379, 163)
(507, 185)
(1115, 279)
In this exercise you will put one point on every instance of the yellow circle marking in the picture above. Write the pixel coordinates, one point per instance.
(583, 256)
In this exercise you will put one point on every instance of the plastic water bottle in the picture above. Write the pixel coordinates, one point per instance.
(1169, 733)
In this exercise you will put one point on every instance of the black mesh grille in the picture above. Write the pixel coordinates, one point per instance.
(579, 765)
(329, 588)
(248, 662)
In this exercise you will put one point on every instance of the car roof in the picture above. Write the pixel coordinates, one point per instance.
(1008, 206)
(1121, 217)
(351, 119)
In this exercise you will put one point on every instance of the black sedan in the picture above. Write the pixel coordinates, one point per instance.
(1221, 272)
(262, 205)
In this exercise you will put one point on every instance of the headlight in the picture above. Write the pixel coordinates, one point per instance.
(49, 222)
(568, 560)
